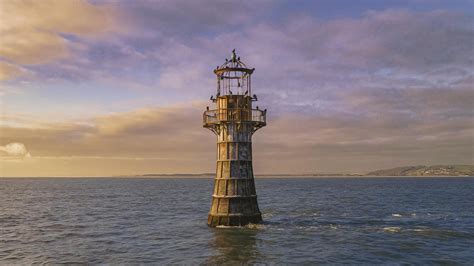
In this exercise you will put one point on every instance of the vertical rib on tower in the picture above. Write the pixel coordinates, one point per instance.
(234, 201)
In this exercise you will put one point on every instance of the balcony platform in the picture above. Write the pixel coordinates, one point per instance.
(212, 118)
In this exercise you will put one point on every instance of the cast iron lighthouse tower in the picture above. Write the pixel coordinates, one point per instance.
(234, 201)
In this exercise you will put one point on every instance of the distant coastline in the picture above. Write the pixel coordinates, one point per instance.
(405, 171)
(408, 171)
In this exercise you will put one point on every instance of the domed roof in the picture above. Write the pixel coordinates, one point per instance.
(234, 64)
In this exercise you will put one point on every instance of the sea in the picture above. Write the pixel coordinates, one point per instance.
(138, 221)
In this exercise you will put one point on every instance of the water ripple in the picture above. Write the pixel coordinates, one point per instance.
(306, 221)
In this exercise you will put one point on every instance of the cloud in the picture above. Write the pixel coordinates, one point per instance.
(304, 63)
(171, 139)
(187, 18)
(14, 150)
(35, 32)
(147, 140)
(383, 89)
(138, 133)
(298, 56)
(9, 71)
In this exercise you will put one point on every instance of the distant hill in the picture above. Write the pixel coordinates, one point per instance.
(421, 170)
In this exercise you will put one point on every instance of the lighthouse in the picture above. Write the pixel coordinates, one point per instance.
(234, 121)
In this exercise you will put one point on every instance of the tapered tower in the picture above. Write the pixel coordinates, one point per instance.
(234, 201)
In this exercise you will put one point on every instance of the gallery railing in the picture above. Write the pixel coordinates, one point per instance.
(234, 115)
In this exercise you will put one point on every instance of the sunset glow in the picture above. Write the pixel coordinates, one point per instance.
(100, 88)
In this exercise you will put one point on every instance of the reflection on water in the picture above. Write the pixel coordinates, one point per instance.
(234, 245)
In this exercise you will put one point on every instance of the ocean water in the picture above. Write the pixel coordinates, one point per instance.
(322, 220)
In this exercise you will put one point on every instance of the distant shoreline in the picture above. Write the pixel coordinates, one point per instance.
(212, 177)
(405, 171)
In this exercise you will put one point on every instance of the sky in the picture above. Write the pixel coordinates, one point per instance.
(101, 88)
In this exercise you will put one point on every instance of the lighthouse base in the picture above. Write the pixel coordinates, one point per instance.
(233, 219)
(234, 203)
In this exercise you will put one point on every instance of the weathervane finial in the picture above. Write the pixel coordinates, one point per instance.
(234, 56)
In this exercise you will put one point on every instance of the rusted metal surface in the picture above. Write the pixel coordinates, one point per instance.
(234, 115)
(220, 71)
(234, 200)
